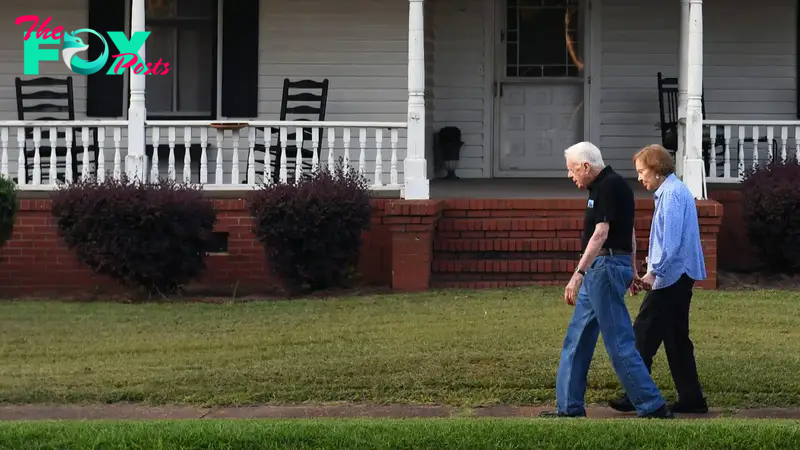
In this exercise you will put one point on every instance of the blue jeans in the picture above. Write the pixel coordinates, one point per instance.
(600, 307)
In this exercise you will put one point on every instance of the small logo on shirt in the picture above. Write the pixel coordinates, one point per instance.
(590, 204)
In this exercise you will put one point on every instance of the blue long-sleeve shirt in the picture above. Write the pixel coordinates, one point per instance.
(675, 246)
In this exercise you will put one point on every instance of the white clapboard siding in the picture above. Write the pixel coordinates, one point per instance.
(361, 48)
(459, 77)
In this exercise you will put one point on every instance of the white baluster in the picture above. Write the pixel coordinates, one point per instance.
(727, 167)
(235, 177)
(346, 142)
(154, 172)
(22, 171)
(784, 138)
(362, 154)
(187, 155)
(203, 155)
(797, 144)
(37, 168)
(118, 153)
(712, 172)
(267, 139)
(86, 170)
(101, 154)
(770, 146)
(171, 160)
(393, 163)
(68, 141)
(315, 149)
(298, 158)
(4, 160)
(740, 139)
(755, 147)
(218, 172)
(331, 144)
(283, 176)
(378, 157)
(53, 138)
(251, 155)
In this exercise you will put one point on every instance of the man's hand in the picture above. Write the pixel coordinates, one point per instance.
(648, 280)
(636, 285)
(571, 291)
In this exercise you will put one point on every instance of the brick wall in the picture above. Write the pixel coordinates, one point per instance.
(36, 261)
(412, 245)
(499, 243)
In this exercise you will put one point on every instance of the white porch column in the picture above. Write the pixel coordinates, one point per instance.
(683, 77)
(136, 161)
(694, 169)
(415, 167)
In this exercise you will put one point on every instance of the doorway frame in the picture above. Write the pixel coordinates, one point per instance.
(494, 62)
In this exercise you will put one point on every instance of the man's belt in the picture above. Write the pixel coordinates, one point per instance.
(611, 252)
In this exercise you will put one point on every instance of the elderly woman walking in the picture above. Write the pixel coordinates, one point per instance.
(675, 262)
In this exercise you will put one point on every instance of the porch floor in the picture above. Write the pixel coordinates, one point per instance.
(515, 188)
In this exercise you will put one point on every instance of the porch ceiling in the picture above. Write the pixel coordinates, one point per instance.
(515, 188)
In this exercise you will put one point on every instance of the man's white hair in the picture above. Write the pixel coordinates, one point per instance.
(585, 152)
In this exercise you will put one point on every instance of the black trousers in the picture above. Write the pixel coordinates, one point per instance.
(664, 317)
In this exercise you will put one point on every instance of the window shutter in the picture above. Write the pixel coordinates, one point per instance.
(104, 92)
(240, 19)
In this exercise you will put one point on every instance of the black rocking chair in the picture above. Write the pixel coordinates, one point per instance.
(308, 105)
(52, 97)
(668, 110)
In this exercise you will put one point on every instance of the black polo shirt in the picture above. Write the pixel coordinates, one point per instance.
(610, 200)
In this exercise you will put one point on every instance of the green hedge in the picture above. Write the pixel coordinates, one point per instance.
(404, 434)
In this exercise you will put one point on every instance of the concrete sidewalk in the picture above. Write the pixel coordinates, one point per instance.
(142, 412)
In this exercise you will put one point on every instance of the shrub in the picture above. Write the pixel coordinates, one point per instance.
(8, 208)
(771, 209)
(312, 231)
(146, 235)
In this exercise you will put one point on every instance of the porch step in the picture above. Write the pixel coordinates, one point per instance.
(497, 252)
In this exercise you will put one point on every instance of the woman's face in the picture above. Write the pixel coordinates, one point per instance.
(647, 176)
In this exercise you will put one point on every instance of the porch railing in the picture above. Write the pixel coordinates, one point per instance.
(218, 155)
(229, 154)
(83, 148)
(735, 146)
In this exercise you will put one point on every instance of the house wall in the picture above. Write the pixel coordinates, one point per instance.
(461, 75)
(749, 66)
(749, 69)
(361, 49)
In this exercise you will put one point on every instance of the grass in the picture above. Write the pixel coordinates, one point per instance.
(452, 347)
(407, 434)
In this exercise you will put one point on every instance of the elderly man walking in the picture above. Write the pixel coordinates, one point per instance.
(597, 291)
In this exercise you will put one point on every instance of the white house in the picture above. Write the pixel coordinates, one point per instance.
(521, 79)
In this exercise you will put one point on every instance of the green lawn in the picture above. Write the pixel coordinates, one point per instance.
(463, 348)
(404, 434)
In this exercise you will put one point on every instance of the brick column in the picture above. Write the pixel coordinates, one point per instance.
(709, 213)
(412, 225)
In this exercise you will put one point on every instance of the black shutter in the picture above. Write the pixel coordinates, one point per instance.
(104, 92)
(240, 58)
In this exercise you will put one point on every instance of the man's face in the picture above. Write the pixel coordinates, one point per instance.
(578, 173)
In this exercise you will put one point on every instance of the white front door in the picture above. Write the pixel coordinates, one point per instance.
(540, 92)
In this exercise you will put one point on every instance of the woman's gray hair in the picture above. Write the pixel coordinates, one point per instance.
(585, 152)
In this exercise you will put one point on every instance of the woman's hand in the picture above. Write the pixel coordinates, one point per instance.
(648, 280)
